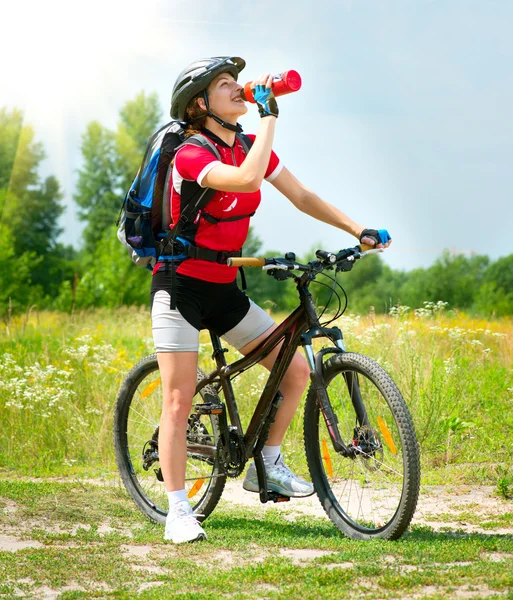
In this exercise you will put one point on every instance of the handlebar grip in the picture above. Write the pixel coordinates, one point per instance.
(365, 247)
(246, 262)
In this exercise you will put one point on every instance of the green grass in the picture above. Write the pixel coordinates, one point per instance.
(247, 555)
(59, 377)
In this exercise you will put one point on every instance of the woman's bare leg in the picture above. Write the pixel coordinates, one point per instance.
(178, 375)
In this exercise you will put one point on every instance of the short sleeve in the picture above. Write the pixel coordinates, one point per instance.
(192, 163)
(275, 165)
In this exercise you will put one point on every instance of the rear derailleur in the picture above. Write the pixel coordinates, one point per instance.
(150, 454)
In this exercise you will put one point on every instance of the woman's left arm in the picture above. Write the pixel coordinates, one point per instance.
(309, 203)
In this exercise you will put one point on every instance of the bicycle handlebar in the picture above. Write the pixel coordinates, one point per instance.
(262, 262)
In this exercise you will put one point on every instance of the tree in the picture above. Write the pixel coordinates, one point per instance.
(30, 208)
(454, 279)
(111, 160)
(363, 284)
(110, 279)
(139, 118)
(19, 155)
(34, 217)
(496, 292)
(15, 290)
(98, 192)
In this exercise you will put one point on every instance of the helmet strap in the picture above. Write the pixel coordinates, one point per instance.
(236, 128)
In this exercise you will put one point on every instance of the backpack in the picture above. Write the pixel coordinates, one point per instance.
(144, 219)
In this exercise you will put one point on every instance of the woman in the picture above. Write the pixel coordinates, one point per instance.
(207, 96)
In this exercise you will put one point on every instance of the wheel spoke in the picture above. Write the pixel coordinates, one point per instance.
(147, 420)
(137, 437)
(381, 464)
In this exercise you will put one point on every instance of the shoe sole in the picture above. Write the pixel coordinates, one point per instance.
(251, 487)
(198, 538)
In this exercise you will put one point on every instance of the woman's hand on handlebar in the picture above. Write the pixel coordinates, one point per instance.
(377, 238)
(264, 97)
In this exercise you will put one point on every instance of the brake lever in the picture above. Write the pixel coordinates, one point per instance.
(348, 263)
(280, 275)
(281, 266)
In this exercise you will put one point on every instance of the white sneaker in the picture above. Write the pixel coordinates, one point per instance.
(279, 479)
(182, 526)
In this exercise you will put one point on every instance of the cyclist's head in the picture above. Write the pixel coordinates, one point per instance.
(201, 79)
(196, 78)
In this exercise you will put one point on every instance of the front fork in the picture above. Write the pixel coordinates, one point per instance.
(315, 362)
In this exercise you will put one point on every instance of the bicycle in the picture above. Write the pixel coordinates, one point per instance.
(360, 443)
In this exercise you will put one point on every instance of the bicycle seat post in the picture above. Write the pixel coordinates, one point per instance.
(218, 350)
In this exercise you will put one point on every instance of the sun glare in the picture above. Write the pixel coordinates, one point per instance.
(57, 52)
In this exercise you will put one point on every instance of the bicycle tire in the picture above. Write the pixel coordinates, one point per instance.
(147, 492)
(385, 485)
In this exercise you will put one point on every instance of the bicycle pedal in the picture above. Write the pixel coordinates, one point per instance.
(209, 409)
(275, 497)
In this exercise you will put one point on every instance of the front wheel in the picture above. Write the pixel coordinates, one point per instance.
(373, 492)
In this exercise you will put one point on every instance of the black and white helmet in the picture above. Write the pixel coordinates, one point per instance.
(196, 78)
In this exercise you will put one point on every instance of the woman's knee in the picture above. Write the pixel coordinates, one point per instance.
(178, 374)
(177, 402)
(298, 374)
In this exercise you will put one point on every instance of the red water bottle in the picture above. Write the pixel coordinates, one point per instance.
(283, 83)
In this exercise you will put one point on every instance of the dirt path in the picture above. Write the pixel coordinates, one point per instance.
(459, 509)
(471, 509)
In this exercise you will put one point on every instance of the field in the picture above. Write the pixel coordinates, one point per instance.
(67, 527)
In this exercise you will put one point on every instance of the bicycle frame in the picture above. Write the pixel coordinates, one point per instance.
(298, 329)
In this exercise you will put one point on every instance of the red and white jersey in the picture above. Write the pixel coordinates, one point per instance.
(191, 164)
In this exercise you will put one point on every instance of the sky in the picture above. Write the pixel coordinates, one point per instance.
(404, 120)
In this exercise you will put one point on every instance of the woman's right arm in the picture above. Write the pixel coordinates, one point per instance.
(249, 176)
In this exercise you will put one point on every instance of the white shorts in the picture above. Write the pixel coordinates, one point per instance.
(226, 310)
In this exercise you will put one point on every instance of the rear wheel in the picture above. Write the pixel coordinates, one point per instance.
(374, 493)
(136, 428)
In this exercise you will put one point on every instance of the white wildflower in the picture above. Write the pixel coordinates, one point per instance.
(84, 339)
(399, 311)
(450, 366)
